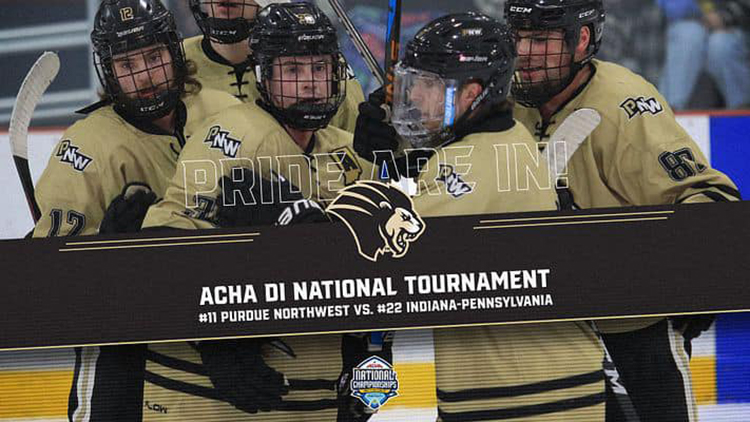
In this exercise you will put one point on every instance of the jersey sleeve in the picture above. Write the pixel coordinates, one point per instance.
(210, 154)
(73, 192)
(656, 161)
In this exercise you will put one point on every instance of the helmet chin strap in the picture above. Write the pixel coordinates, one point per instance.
(228, 31)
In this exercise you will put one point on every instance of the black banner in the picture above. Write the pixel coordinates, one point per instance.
(312, 279)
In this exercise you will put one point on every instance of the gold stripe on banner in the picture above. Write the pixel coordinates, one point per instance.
(33, 394)
(703, 371)
(571, 223)
(170, 241)
(574, 217)
(156, 239)
(157, 245)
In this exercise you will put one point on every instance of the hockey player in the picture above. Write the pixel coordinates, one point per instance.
(223, 55)
(302, 79)
(136, 133)
(450, 96)
(127, 145)
(638, 155)
(302, 83)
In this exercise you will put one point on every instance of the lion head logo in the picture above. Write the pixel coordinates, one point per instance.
(380, 217)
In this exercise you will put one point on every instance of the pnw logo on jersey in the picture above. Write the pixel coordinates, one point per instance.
(220, 139)
(381, 218)
(374, 382)
(637, 106)
(71, 154)
(454, 184)
(348, 163)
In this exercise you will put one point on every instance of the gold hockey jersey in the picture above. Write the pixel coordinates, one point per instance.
(248, 136)
(103, 152)
(483, 173)
(638, 155)
(215, 72)
(518, 373)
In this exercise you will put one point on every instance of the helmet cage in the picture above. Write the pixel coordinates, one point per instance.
(156, 99)
(543, 71)
(551, 23)
(298, 33)
(224, 30)
(303, 92)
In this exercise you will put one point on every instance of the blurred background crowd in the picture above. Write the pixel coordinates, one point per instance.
(695, 51)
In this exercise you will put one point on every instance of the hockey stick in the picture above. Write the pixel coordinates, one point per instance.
(41, 75)
(392, 44)
(358, 41)
(569, 136)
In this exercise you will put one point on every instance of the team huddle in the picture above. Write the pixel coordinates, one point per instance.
(194, 134)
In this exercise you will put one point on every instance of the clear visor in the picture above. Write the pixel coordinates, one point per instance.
(424, 104)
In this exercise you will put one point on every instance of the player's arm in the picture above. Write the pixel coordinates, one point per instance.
(191, 197)
(657, 162)
(71, 192)
(241, 376)
(244, 202)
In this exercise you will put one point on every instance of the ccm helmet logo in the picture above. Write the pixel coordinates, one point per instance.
(520, 9)
(586, 14)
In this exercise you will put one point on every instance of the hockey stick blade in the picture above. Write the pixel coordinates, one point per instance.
(570, 135)
(39, 78)
(358, 41)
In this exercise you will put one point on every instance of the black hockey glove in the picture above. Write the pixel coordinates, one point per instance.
(241, 203)
(126, 212)
(373, 131)
(355, 348)
(241, 376)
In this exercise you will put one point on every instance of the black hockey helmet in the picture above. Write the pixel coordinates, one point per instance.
(302, 31)
(226, 21)
(123, 29)
(450, 52)
(547, 15)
